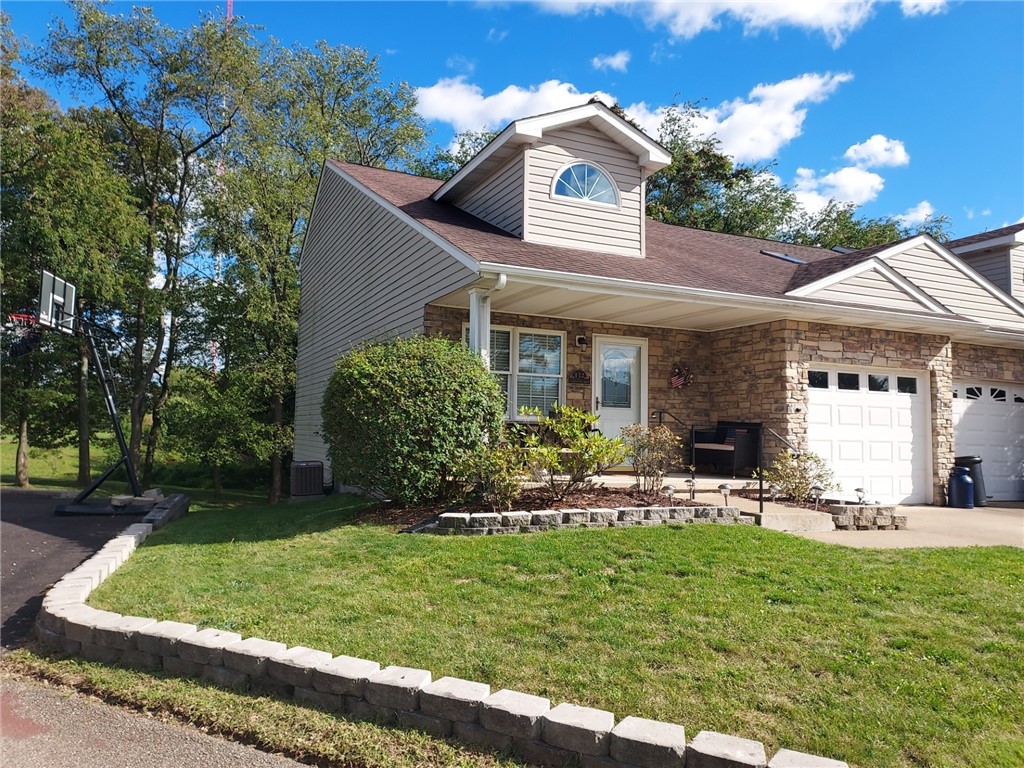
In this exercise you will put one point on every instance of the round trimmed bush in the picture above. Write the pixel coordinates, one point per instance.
(400, 416)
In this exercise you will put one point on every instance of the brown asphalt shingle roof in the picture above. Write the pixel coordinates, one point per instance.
(675, 256)
(983, 236)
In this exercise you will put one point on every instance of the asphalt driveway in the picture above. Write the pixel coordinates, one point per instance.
(37, 548)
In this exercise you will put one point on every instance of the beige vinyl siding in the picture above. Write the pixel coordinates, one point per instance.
(872, 288)
(994, 267)
(555, 221)
(953, 289)
(365, 274)
(499, 200)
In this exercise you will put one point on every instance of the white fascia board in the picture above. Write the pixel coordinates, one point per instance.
(495, 144)
(651, 155)
(909, 288)
(932, 244)
(619, 287)
(1010, 240)
(976, 278)
(456, 253)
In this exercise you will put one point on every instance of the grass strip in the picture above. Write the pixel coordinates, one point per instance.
(273, 725)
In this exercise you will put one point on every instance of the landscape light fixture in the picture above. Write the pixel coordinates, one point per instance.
(725, 488)
(670, 491)
(816, 491)
(774, 489)
(691, 485)
(861, 494)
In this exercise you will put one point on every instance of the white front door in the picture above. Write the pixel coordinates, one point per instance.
(872, 428)
(620, 383)
(988, 421)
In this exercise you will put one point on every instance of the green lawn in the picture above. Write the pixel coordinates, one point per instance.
(879, 658)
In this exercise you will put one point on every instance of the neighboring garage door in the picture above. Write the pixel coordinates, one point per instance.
(872, 427)
(988, 421)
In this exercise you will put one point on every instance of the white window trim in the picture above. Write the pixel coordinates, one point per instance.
(578, 201)
(894, 374)
(512, 412)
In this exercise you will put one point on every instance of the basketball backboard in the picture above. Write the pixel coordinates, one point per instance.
(56, 303)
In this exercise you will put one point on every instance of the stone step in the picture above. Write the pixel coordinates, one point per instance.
(795, 520)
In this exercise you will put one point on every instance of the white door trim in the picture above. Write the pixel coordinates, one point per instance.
(598, 339)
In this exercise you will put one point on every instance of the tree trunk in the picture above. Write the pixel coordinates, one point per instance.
(217, 487)
(21, 459)
(84, 459)
(277, 411)
(159, 402)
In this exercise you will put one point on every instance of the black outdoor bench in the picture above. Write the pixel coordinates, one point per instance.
(728, 446)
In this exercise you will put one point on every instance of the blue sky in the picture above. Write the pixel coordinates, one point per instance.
(904, 108)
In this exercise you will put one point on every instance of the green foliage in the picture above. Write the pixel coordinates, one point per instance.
(497, 472)
(796, 474)
(444, 162)
(400, 416)
(650, 451)
(566, 450)
(837, 225)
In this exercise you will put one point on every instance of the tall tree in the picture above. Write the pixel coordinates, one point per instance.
(838, 226)
(173, 93)
(313, 104)
(444, 162)
(65, 209)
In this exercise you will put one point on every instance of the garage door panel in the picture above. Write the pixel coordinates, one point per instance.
(876, 440)
(880, 451)
(879, 417)
(849, 415)
(992, 427)
(850, 451)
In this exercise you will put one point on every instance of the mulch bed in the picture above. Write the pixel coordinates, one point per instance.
(529, 500)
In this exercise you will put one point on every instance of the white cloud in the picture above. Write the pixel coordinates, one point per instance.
(835, 19)
(917, 215)
(847, 185)
(465, 107)
(923, 7)
(750, 129)
(878, 151)
(617, 61)
(986, 212)
(772, 115)
(461, 63)
(495, 35)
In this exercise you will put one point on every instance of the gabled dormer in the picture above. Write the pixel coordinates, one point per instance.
(573, 178)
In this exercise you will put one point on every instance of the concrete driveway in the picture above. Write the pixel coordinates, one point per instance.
(999, 523)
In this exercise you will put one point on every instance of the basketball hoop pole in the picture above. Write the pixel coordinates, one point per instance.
(115, 420)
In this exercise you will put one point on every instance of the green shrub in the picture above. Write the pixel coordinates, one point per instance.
(650, 452)
(399, 416)
(497, 472)
(566, 451)
(796, 474)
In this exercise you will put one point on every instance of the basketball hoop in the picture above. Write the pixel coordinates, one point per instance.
(23, 327)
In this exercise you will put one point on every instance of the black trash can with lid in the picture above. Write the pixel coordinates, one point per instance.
(973, 464)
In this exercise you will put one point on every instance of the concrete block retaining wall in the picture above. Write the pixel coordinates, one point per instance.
(866, 517)
(467, 711)
(484, 523)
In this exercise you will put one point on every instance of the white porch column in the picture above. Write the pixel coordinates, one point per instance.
(480, 323)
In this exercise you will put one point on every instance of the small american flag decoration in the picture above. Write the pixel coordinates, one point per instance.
(681, 377)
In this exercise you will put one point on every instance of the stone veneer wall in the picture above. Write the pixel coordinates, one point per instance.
(758, 373)
(526, 725)
(971, 361)
(898, 350)
(666, 348)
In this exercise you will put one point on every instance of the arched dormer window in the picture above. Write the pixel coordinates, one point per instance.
(585, 182)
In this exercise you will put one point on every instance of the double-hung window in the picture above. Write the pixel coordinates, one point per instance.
(529, 365)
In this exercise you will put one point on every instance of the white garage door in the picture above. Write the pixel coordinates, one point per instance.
(988, 421)
(872, 427)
